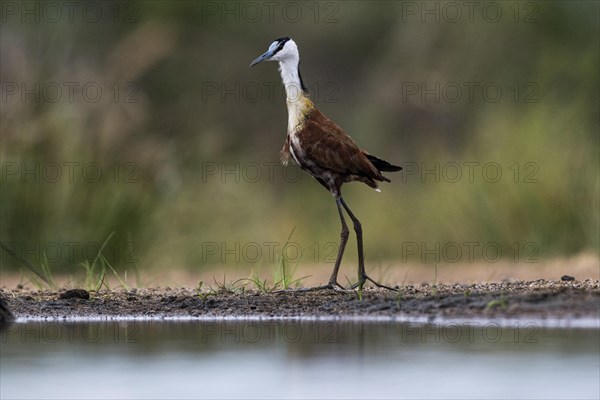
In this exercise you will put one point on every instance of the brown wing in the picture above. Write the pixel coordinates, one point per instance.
(326, 145)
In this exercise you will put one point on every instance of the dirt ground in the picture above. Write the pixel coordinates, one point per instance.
(461, 291)
(515, 299)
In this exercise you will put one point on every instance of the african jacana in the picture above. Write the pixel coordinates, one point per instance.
(320, 147)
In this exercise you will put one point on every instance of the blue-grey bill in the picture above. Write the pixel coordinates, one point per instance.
(261, 58)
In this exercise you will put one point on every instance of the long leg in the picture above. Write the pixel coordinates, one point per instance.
(343, 240)
(362, 275)
(333, 283)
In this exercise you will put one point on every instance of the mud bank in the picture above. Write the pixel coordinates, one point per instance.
(539, 299)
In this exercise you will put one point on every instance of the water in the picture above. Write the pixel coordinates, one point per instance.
(293, 359)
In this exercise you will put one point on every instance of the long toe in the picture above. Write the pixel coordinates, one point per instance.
(366, 278)
(335, 285)
(329, 286)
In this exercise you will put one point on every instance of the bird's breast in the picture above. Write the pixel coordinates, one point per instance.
(297, 112)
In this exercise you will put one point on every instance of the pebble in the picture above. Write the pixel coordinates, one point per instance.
(75, 294)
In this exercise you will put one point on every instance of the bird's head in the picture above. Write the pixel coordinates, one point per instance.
(282, 50)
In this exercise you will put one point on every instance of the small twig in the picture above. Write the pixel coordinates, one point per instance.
(24, 261)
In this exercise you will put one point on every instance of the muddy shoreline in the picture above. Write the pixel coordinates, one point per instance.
(539, 299)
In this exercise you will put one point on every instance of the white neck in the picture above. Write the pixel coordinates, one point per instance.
(291, 79)
(294, 94)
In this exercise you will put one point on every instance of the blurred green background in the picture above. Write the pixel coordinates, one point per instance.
(143, 119)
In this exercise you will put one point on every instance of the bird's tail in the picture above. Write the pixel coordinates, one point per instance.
(382, 165)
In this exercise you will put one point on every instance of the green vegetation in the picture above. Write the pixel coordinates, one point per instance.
(497, 303)
(47, 274)
(284, 275)
(237, 286)
(95, 272)
(93, 280)
(179, 154)
(283, 279)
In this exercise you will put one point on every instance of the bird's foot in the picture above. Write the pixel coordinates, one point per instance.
(363, 279)
(330, 286)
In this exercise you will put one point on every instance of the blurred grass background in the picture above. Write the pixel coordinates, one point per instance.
(179, 108)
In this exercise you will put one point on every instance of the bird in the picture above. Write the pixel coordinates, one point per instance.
(320, 147)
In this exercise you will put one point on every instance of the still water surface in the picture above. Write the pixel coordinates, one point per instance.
(293, 359)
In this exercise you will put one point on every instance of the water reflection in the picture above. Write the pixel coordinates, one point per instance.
(296, 359)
